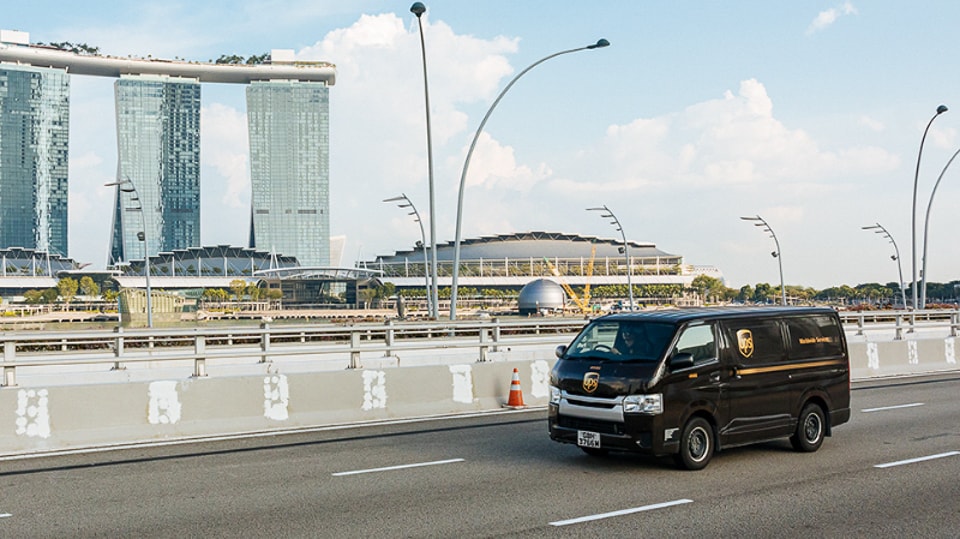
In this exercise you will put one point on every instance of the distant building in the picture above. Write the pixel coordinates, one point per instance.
(158, 136)
(289, 125)
(34, 140)
(158, 140)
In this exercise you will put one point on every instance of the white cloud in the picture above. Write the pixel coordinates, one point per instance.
(826, 18)
(872, 124)
(225, 149)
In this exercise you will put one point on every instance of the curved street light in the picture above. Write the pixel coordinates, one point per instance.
(466, 164)
(913, 216)
(419, 9)
(423, 244)
(758, 221)
(608, 214)
(926, 224)
(878, 229)
(126, 186)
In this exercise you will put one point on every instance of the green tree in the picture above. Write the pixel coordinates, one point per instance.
(88, 287)
(33, 297)
(50, 295)
(67, 288)
(238, 287)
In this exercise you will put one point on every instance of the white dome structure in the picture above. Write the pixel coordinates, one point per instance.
(541, 294)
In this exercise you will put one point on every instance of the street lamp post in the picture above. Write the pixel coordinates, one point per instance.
(913, 216)
(758, 221)
(423, 244)
(878, 229)
(608, 214)
(126, 186)
(419, 9)
(466, 164)
(926, 224)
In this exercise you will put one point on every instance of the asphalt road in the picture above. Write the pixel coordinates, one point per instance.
(893, 471)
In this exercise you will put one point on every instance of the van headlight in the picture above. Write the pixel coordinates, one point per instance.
(554, 395)
(643, 404)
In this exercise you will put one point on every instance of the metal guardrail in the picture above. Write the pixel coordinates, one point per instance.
(120, 347)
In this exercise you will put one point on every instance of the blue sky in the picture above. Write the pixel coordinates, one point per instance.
(807, 113)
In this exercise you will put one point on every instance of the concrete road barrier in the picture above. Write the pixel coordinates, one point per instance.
(35, 420)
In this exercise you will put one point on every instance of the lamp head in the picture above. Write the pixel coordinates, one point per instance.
(418, 9)
(604, 43)
(774, 254)
(941, 109)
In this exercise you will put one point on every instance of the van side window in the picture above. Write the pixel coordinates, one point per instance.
(755, 341)
(813, 336)
(697, 341)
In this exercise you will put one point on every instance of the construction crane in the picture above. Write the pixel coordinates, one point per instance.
(582, 302)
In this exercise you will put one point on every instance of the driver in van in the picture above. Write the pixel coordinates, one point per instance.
(632, 341)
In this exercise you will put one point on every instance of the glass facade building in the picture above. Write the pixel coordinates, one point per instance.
(34, 139)
(158, 149)
(288, 126)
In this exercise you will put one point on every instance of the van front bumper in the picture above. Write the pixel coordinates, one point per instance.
(635, 433)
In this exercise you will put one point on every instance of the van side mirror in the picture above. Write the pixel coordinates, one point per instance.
(683, 360)
(562, 349)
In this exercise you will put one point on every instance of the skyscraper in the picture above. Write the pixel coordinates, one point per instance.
(34, 139)
(288, 126)
(158, 147)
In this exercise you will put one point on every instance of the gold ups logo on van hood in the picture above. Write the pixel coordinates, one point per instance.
(745, 342)
(591, 381)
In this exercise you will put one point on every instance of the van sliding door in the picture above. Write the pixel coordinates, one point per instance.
(754, 388)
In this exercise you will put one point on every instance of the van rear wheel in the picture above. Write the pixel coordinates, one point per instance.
(696, 445)
(810, 429)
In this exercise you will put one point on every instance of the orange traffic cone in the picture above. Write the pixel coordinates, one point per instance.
(515, 400)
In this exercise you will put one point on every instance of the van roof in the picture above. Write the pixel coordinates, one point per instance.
(679, 315)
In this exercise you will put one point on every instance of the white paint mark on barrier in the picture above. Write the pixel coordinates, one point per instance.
(896, 407)
(620, 513)
(949, 350)
(918, 459)
(873, 356)
(462, 383)
(913, 357)
(374, 390)
(540, 378)
(400, 467)
(33, 413)
(276, 397)
(164, 406)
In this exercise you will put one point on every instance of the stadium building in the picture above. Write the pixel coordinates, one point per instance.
(508, 262)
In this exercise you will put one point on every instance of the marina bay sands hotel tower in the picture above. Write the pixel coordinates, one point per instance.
(158, 149)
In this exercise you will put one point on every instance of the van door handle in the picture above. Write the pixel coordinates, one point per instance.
(715, 377)
(735, 373)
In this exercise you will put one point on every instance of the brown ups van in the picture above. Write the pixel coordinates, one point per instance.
(691, 382)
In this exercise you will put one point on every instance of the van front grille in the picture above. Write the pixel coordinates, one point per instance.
(593, 425)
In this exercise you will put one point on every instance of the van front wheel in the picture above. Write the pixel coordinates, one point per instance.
(810, 429)
(696, 444)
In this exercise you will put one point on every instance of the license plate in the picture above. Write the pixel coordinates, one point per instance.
(586, 438)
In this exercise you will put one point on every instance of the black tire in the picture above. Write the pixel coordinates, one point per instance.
(811, 428)
(595, 451)
(696, 445)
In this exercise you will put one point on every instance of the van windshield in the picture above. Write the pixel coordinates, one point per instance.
(622, 340)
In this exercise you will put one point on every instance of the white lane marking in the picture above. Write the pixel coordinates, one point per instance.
(5, 515)
(619, 513)
(918, 459)
(400, 467)
(897, 407)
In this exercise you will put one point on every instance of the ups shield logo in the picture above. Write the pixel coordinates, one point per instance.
(745, 342)
(591, 381)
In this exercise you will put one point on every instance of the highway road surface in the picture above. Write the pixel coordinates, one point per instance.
(893, 471)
